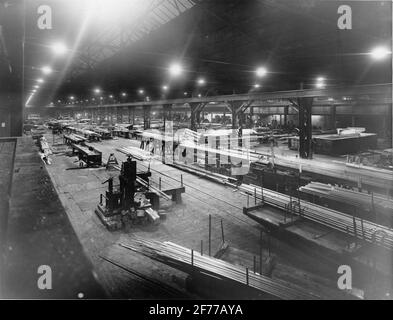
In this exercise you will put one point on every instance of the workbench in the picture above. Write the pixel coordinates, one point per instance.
(334, 144)
(73, 139)
(88, 154)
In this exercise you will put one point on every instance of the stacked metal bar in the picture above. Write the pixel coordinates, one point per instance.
(188, 261)
(355, 198)
(136, 153)
(359, 228)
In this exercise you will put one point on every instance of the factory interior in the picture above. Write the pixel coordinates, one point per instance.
(196, 149)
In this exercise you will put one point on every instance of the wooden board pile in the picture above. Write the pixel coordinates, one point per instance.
(359, 199)
(189, 261)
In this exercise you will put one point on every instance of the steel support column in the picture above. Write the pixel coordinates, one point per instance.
(167, 112)
(234, 105)
(196, 109)
(305, 126)
(286, 111)
(238, 109)
(146, 117)
(333, 117)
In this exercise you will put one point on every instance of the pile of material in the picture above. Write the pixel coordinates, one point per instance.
(45, 150)
(359, 199)
(190, 262)
(361, 229)
(135, 153)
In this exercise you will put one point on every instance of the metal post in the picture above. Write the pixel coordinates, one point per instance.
(247, 276)
(298, 186)
(159, 183)
(192, 257)
(260, 253)
(222, 232)
(210, 234)
(201, 247)
(262, 187)
(347, 231)
(255, 196)
(373, 206)
(181, 180)
(268, 243)
(255, 264)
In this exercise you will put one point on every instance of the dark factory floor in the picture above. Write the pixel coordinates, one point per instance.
(185, 224)
(52, 222)
(38, 232)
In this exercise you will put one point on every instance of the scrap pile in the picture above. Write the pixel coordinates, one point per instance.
(45, 150)
(189, 261)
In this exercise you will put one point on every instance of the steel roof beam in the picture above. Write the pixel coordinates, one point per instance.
(362, 90)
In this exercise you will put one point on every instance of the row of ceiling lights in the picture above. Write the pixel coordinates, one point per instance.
(57, 48)
(176, 70)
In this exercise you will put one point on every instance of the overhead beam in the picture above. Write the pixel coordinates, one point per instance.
(363, 90)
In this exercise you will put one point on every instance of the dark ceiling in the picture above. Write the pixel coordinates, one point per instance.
(224, 41)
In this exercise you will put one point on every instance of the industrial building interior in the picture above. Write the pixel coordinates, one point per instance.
(196, 149)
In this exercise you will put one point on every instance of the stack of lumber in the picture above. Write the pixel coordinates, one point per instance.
(359, 199)
(358, 228)
(187, 261)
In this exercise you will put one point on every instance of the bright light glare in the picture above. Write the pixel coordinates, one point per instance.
(46, 70)
(123, 94)
(201, 81)
(261, 71)
(72, 97)
(59, 48)
(257, 85)
(164, 88)
(320, 79)
(110, 10)
(97, 90)
(141, 91)
(379, 53)
(36, 87)
(175, 69)
(40, 80)
(319, 85)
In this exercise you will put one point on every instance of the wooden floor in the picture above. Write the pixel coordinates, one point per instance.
(186, 224)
